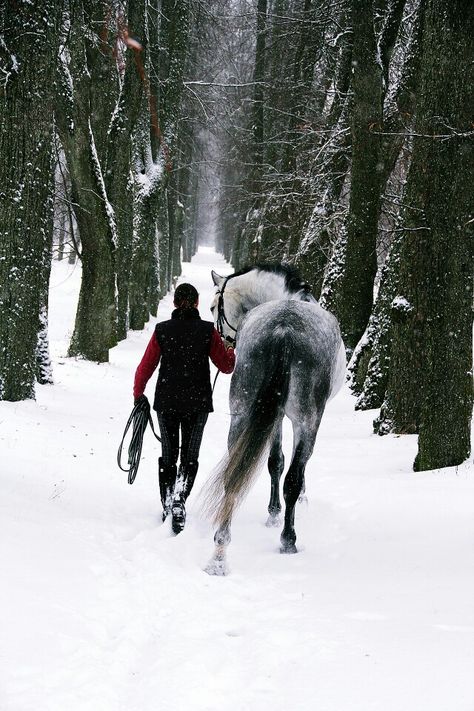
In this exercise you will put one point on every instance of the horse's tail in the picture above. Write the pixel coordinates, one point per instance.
(238, 469)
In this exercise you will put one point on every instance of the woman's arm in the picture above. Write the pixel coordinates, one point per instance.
(222, 357)
(147, 366)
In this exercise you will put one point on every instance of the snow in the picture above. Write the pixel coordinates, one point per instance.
(400, 303)
(102, 609)
(148, 180)
(103, 193)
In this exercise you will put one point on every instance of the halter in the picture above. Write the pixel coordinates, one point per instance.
(221, 317)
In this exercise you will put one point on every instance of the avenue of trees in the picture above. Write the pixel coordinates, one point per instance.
(335, 135)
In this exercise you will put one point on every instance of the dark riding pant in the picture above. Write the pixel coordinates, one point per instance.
(173, 483)
(192, 428)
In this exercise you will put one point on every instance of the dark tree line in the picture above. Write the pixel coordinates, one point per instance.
(93, 111)
(351, 159)
(335, 135)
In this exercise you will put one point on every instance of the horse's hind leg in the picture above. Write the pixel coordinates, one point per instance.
(218, 563)
(294, 481)
(276, 464)
(302, 498)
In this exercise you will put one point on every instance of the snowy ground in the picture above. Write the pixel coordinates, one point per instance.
(101, 609)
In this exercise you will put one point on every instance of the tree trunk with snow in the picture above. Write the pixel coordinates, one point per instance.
(175, 228)
(330, 169)
(26, 170)
(247, 248)
(44, 370)
(96, 319)
(145, 256)
(430, 381)
(156, 153)
(118, 174)
(349, 292)
(371, 361)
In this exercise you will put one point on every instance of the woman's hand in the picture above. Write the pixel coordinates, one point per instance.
(229, 342)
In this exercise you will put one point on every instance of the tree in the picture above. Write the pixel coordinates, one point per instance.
(119, 155)
(329, 167)
(155, 156)
(350, 296)
(88, 92)
(370, 365)
(430, 378)
(26, 172)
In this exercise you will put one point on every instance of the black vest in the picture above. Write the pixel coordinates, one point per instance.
(184, 382)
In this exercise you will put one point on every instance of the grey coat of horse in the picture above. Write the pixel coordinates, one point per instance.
(290, 361)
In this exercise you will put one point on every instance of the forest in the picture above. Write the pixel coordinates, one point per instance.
(332, 135)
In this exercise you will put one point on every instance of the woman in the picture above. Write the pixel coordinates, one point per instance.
(183, 396)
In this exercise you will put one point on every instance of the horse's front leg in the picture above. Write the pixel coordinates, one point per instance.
(276, 464)
(218, 563)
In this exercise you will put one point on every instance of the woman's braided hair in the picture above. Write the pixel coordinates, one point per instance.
(185, 296)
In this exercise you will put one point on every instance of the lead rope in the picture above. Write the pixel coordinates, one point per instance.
(215, 380)
(141, 417)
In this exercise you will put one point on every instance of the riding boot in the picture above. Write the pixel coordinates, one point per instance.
(167, 479)
(190, 470)
(184, 484)
(178, 509)
(178, 513)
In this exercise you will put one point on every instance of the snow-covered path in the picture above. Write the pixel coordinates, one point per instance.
(101, 609)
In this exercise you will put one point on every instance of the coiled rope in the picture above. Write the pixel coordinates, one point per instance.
(140, 417)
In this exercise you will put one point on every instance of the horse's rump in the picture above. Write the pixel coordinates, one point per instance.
(311, 341)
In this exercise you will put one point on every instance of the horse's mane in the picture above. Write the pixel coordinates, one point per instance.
(293, 280)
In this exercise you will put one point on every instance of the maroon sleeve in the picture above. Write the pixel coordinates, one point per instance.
(147, 366)
(222, 357)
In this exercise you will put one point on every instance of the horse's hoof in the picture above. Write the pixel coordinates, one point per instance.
(288, 548)
(217, 566)
(303, 499)
(273, 521)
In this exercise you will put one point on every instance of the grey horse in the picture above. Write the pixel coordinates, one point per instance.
(290, 361)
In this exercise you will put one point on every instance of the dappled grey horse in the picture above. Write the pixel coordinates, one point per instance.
(290, 361)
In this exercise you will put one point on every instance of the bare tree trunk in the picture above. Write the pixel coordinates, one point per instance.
(95, 328)
(44, 371)
(430, 379)
(118, 175)
(151, 277)
(351, 294)
(26, 170)
(370, 367)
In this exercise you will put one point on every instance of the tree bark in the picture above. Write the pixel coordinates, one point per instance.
(26, 170)
(155, 158)
(430, 381)
(118, 175)
(351, 294)
(96, 319)
(371, 362)
(329, 169)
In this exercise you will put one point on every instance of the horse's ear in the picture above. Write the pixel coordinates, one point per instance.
(216, 278)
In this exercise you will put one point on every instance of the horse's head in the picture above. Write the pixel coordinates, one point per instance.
(251, 286)
(226, 306)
